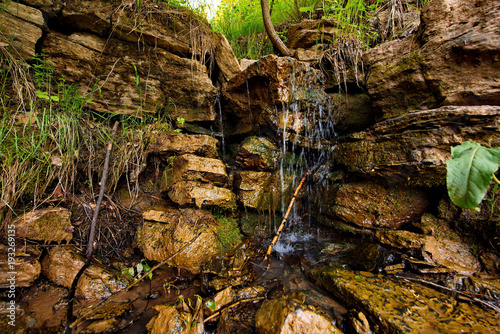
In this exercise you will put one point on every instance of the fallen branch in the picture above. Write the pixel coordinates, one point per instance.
(290, 206)
(90, 249)
(231, 306)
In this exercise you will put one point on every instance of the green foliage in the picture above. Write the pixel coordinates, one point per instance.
(352, 17)
(241, 23)
(470, 172)
(140, 269)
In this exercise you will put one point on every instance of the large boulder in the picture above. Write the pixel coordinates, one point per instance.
(449, 62)
(119, 77)
(187, 238)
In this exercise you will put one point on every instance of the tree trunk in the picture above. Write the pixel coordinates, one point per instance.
(273, 36)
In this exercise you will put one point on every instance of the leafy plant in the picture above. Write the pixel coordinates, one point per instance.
(470, 172)
(140, 269)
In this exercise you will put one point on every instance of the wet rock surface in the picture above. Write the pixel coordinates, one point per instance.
(403, 307)
(370, 205)
(21, 272)
(61, 265)
(190, 235)
(258, 153)
(289, 315)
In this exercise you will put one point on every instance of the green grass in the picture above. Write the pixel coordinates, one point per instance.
(50, 141)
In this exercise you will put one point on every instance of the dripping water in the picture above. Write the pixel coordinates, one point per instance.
(308, 109)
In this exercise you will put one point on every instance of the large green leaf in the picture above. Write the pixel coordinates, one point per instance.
(469, 173)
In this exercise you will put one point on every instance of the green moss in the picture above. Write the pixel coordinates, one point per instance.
(228, 232)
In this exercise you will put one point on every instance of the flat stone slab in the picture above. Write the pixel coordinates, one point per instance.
(397, 306)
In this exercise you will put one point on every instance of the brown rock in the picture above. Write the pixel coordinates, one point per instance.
(225, 58)
(178, 143)
(171, 230)
(370, 205)
(446, 252)
(171, 321)
(308, 33)
(264, 190)
(63, 263)
(289, 315)
(132, 80)
(201, 194)
(453, 61)
(14, 318)
(189, 167)
(21, 27)
(46, 225)
(278, 93)
(413, 148)
(396, 306)
(23, 262)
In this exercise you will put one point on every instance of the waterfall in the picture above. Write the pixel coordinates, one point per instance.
(307, 136)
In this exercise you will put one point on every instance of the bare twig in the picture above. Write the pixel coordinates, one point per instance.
(231, 306)
(90, 247)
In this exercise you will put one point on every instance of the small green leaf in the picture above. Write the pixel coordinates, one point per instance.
(306, 9)
(210, 304)
(469, 173)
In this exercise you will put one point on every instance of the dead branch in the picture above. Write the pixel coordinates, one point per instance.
(90, 247)
(290, 206)
(231, 306)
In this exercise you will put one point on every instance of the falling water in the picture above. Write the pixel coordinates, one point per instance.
(221, 125)
(306, 135)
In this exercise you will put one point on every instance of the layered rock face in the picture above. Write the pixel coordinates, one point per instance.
(452, 60)
(280, 95)
(126, 60)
